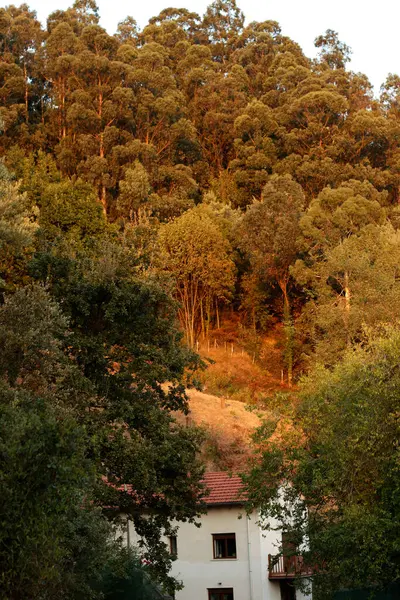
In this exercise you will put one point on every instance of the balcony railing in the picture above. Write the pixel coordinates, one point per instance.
(287, 567)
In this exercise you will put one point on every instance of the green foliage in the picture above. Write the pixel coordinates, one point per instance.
(335, 483)
(71, 210)
(271, 229)
(270, 235)
(17, 228)
(333, 53)
(126, 579)
(197, 255)
(339, 213)
(53, 543)
(101, 377)
(348, 267)
(134, 190)
(126, 344)
(156, 121)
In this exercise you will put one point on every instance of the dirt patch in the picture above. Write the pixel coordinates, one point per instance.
(206, 409)
(228, 426)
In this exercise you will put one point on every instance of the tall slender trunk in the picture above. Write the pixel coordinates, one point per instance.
(208, 309)
(288, 330)
(103, 199)
(64, 127)
(194, 308)
(185, 300)
(26, 95)
(253, 318)
(203, 330)
(101, 145)
(347, 300)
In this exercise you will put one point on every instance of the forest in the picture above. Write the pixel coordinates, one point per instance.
(154, 185)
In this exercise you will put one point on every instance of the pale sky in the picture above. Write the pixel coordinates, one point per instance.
(370, 28)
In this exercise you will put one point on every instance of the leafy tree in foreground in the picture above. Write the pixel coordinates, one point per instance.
(334, 482)
(126, 345)
(54, 543)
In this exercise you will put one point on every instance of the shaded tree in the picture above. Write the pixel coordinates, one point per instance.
(332, 481)
(270, 234)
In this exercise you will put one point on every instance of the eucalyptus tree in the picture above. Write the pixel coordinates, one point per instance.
(270, 235)
(198, 257)
(330, 229)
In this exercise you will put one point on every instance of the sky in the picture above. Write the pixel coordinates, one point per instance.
(370, 28)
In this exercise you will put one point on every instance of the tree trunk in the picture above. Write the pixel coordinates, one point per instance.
(347, 299)
(288, 330)
(203, 329)
(103, 199)
(101, 145)
(26, 95)
(208, 309)
(64, 127)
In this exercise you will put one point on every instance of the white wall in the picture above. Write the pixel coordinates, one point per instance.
(304, 595)
(196, 566)
(199, 571)
(269, 544)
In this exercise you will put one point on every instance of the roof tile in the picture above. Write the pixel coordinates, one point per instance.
(224, 489)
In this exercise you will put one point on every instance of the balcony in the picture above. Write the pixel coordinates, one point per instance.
(287, 567)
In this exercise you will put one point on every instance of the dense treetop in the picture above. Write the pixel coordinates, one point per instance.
(146, 124)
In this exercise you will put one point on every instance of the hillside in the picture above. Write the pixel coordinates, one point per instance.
(238, 374)
(228, 426)
(235, 395)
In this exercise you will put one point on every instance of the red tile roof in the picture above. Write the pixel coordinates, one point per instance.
(224, 489)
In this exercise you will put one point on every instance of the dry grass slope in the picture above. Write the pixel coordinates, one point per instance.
(228, 426)
(236, 390)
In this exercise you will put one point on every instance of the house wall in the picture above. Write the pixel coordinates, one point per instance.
(303, 595)
(199, 571)
(269, 544)
(196, 566)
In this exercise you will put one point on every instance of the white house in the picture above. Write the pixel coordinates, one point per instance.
(229, 557)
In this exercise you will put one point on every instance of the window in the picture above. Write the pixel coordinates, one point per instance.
(173, 545)
(220, 594)
(288, 591)
(224, 545)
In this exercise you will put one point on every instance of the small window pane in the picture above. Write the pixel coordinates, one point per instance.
(219, 548)
(231, 548)
(224, 545)
(220, 594)
(173, 546)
